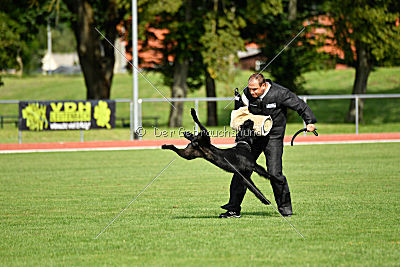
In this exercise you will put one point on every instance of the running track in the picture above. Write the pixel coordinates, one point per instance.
(220, 142)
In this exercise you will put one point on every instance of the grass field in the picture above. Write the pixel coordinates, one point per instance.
(346, 200)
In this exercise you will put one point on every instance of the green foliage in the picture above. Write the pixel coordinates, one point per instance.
(59, 18)
(210, 39)
(256, 12)
(63, 39)
(220, 42)
(371, 23)
(10, 42)
(20, 22)
(275, 32)
(152, 8)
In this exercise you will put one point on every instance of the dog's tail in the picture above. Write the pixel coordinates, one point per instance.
(194, 115)
(196, 120)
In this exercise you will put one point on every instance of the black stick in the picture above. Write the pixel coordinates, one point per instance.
(300, 131)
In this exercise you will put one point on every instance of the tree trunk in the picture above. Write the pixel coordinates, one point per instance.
(363, 69)
(96, 56)
(179, 89)
(212, 119)
(20, 70)
(292, 10)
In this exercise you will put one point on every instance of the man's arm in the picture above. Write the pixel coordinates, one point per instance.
(292, 101)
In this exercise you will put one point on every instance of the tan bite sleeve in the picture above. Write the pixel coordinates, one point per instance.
(262, 124)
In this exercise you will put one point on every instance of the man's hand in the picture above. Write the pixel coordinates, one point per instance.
(310, 127)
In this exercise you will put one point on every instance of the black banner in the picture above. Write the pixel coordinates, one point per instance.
(66, 115)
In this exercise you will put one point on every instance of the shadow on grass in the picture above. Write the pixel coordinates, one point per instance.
(261, 213)
(197, 217)
(244, 214)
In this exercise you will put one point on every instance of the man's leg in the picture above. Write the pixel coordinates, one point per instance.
(237, 189)
(273, 153)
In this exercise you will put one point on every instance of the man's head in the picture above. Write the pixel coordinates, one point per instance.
(257, 85)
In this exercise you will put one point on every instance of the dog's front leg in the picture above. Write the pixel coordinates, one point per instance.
(188, 135)
(188, 153)
(262, 172)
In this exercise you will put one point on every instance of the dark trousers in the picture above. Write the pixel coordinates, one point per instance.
(273, 150)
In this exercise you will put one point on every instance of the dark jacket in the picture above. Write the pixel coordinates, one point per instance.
(275, 104)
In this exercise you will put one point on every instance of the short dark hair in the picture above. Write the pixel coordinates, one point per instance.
(259, 77)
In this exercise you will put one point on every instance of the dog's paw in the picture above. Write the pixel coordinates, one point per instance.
(165, 146)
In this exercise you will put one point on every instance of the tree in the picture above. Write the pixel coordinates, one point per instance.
(272, 29)
(220, 42)
(366, 31)
(181, 43)
(19, 24)
(181, 64)
(96, 55)
(10, 42)
(203, 39)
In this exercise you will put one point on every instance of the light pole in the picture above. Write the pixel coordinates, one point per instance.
(135, 89)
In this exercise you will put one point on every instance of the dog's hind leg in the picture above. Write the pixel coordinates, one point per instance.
(252, 187)
(187, 153)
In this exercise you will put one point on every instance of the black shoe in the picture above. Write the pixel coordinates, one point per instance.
(286, 215)
(225, 207)
(230, 214)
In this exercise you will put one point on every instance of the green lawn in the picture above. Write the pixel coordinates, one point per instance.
(346, 200)
(380, 115)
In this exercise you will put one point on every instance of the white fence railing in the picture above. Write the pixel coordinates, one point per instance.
(230, 99)
(304, 97)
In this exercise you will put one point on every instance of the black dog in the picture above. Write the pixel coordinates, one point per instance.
(237, 159)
